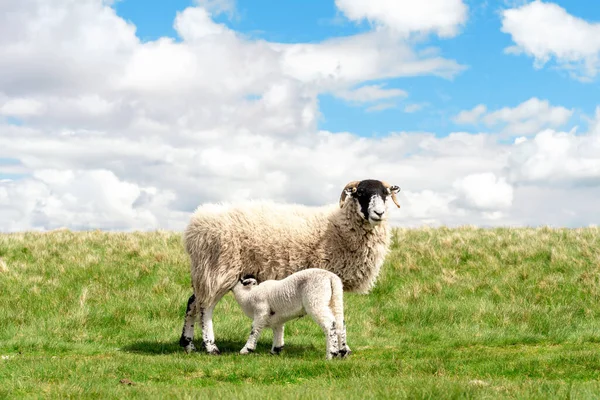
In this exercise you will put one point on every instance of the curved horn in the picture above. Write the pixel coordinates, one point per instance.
(352, 185)
(393, 190)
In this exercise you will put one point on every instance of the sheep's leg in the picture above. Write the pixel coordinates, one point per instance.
(277, 339)
(344, 348)
(187, 335)
(260, 321)
(208, 335)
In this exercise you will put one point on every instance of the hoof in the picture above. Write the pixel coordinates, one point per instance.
(246, 350)
(276, 350)
(190, 348)
(215, 351)
(344, 353)
(211, 348)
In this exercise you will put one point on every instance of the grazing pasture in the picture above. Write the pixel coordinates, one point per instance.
(465, 312)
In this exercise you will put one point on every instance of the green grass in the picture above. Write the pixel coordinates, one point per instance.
(456, 313)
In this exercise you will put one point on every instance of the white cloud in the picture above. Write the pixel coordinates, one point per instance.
(414, 107)
(217, 7)
(194, 24)
(21, 108)
(547, 31)
(443, 17)
(484, 191)
(61, 47)
(527, 118)
(353, 59)
(92, 199)
(370, 93)
(470, 116)
(557, 158)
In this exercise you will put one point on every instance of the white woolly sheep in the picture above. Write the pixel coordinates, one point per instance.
(313, 291)
(272, 241)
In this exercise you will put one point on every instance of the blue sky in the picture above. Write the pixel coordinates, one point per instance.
(491, 77)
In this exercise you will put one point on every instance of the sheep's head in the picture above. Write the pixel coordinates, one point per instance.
(370, 198)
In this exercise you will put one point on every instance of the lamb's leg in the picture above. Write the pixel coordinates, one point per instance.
(187, 335)
(277, 339)
(344, 348)
(208, 336)
(259, 322)
(327, 323)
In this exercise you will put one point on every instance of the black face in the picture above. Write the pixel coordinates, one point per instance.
(365, 191)
(248, 276)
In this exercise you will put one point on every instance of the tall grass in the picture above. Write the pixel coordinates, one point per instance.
(484, 313)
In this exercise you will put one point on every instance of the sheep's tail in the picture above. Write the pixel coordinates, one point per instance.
(337, 301)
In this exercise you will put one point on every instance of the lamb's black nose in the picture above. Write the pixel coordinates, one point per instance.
(378, 213)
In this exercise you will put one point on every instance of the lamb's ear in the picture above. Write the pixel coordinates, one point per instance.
(249, 281)
(348, 191)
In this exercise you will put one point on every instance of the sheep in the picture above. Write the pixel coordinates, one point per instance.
(272, 241)
(312, 291)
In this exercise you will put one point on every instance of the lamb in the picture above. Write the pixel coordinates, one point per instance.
(313, 291)
(272, 241)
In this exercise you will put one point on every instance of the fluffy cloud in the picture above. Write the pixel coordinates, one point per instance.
(557, 158)
(21, 108)
(353, 59)
(217, 7)
(369, 93)
(527, 118)
(470, 116)
(547, 31)
(92, 199)
(414, 107)
(61, 47)
(484, 191)
(443, 17)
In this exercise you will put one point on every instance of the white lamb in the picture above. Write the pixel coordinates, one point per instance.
(272, 241)
(313, 291)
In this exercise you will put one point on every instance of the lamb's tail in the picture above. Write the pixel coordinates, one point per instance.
(337, 301)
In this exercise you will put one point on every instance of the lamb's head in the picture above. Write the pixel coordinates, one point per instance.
(245, 284)
(370, 198)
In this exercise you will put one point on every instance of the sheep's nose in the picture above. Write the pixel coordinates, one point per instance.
(379, 214)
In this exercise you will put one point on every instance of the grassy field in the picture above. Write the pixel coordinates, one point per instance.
(500, 313)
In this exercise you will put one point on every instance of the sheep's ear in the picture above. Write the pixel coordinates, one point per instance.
(349, 190)
(392, 190)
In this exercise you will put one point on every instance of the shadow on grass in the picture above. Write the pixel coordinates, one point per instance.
(226, 347)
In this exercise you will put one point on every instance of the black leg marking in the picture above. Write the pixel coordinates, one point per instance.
(191, 300)
(184, 341)
(332, 329)
(272, 313)
(277, 350)
(344, 353)
(334, 354)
